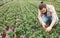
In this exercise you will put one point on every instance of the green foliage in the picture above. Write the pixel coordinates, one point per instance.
(19, 32)
(11, 33)
(27, 22)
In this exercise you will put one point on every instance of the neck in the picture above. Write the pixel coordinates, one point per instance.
(45, 13)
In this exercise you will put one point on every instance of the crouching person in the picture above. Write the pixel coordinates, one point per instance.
(47, 14)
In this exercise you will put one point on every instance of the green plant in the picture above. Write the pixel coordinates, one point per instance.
(19, 31)
(11, 33)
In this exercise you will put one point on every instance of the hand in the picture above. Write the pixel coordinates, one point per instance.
(45, 26)
(48, 29)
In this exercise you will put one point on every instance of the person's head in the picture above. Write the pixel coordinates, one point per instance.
(42, 7)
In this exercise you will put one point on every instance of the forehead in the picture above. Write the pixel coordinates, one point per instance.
(43, 9)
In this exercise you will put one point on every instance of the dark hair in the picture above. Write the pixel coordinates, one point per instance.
(42, 5)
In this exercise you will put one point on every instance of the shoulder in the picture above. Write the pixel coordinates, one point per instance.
(50, 7)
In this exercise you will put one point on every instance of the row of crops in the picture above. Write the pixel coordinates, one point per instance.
(2, 2)
(19, 19)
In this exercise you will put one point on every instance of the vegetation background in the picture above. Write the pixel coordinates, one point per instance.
(21, 16)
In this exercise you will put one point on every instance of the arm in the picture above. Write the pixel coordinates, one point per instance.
(40, 18)
(54, 15)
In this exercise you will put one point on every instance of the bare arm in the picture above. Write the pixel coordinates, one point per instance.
(40, 18)
(54, 15)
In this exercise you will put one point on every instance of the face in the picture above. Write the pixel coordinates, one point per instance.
(43, 10)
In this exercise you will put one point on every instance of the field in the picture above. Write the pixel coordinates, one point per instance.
(22, 15)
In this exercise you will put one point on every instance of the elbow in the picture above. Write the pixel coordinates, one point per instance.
(54, 19)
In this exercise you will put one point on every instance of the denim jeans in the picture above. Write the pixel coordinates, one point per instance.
(48, 19)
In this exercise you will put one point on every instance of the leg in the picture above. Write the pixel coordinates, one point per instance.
(50, 20)
(45, 19)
